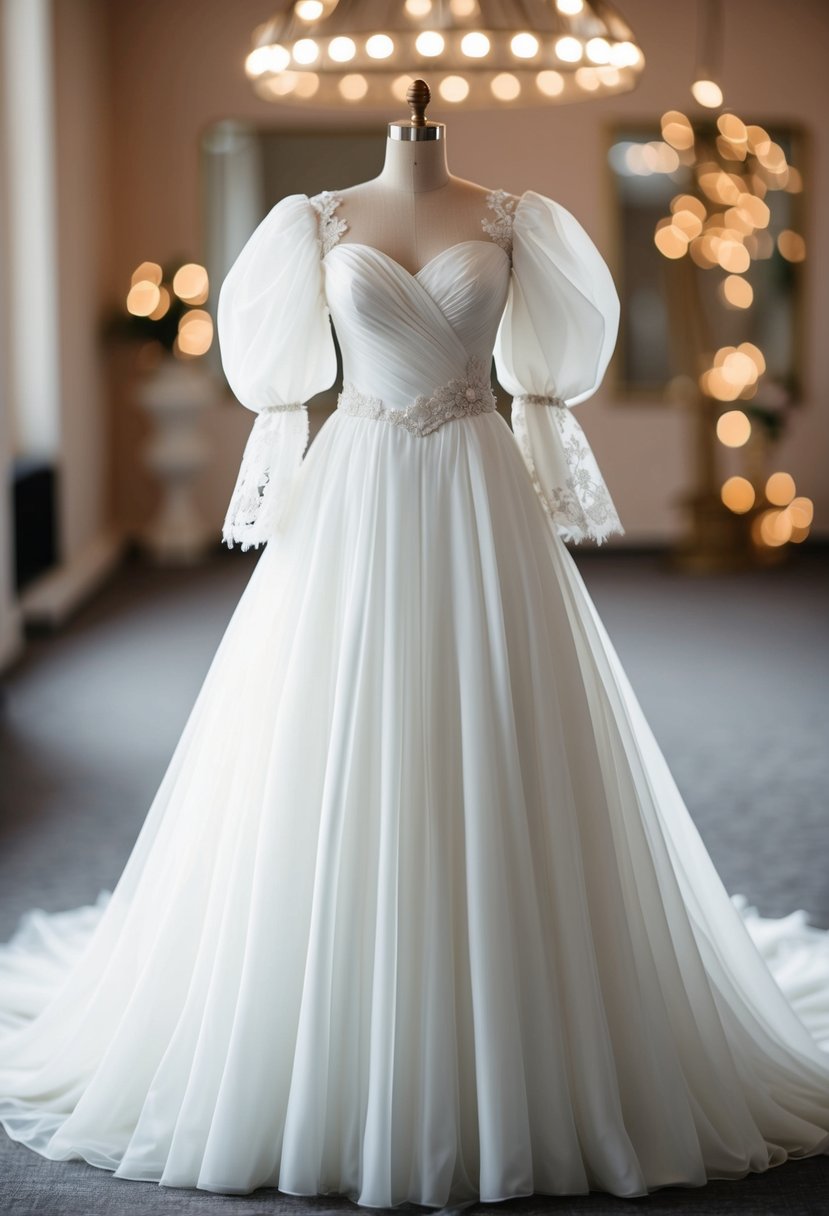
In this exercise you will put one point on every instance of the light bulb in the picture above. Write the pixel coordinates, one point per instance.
(306, 50)
(568, 49)
(265, 59)
(505, 86)
(475, 44)
(707, 93)
(550, 83)
(353, 87)
(309, 10)
(379, 46)
(429, 43)
(598, 50)
(524, 46)
(453, 88)
(341, 49)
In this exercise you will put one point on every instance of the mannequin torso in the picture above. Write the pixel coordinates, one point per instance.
(415, 208)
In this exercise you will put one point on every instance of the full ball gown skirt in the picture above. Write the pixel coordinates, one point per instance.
(418, 913)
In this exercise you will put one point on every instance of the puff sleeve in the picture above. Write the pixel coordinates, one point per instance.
(552, 348)
(277, 350)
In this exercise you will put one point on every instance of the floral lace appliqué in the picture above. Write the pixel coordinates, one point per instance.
(581, 505)
(500, 228)
(460, 397)
(272, 455)
(330, 226)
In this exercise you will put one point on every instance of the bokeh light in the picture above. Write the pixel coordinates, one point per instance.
(733, 428)
(143, 298)
(195, 332)
(708, 93)
(190, 283)
(738, 495)
(780, 489)
(737, 292)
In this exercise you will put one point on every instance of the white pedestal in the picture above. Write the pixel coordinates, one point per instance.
(176, 394)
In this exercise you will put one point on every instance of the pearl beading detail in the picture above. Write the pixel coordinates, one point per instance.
(462, 397)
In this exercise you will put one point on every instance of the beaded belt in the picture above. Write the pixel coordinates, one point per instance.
(458, 398)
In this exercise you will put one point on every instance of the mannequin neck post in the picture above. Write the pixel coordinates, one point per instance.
(415, 164)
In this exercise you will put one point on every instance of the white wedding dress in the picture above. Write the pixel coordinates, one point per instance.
(418, 913)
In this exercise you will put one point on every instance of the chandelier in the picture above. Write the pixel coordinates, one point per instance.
(476, 53)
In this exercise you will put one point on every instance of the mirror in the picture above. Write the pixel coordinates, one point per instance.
(644, 178)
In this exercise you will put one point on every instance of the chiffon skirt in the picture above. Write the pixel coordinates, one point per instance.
(417, 913)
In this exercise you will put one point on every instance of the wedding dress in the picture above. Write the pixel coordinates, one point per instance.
(417, 913)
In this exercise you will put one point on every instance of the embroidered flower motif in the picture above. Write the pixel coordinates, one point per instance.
(500, 229)
(460, 397)
(330, 227)
(272, 455)
(581, 506)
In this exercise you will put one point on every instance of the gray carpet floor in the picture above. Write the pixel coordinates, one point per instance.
(731, 671)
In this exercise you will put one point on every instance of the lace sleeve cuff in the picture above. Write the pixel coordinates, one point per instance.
(563, 469)
(271, 459)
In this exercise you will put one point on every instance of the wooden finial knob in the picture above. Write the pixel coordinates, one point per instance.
(418, 96)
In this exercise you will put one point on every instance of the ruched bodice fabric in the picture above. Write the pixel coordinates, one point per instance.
(402, 334)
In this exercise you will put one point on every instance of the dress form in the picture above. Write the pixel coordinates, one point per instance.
(415, 207)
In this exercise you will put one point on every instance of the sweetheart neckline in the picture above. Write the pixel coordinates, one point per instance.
(417, 273)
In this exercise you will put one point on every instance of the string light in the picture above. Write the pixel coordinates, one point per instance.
(143, 298)
(780, 489)
(708, 93)
(175, 303)
(724, 226)
(738, 495)
(733, 429)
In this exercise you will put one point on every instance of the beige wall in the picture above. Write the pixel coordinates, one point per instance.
(81, 90)
(176, 66)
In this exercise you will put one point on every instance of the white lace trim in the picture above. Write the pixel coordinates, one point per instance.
(460, 397)
(500, 229)
(581, 506)
(330, 227)
(272, 455)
